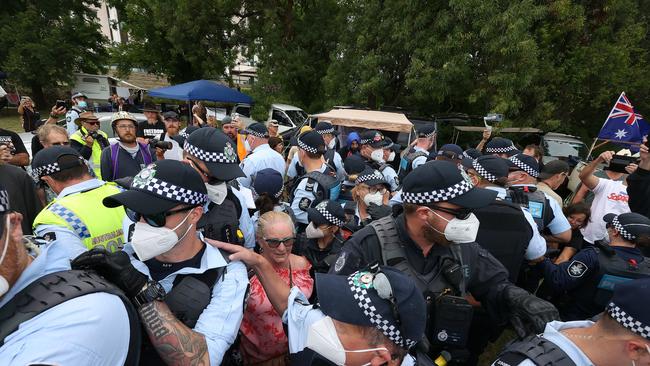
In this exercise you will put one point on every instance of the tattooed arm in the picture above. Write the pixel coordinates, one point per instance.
(174, 341)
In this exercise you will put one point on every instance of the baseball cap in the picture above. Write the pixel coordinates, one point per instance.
(525, 163)
(46, 161)
(325, 127)
(311, 141)
(171, 115)
(160, 187)
(442, 181)
(554, 167)
(630, 225)
(629, 306)
(500, 145)
(256, 129)
(226, 120)
(327, 213)
(216, 150)
(268, 181)
(383, 298)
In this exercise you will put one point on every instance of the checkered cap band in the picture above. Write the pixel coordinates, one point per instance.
(525, 167)
(621, 229)
(440, 195)
(170, 191)
(500, 149)
(365, 303)
(44, 170)
(483, 172)
(628, 321)
(256, 134)
(306, 147)
(210, 156)
(325, 131)
(184, 134)
(329, 217)
(467, 156)
(376, 175)
(4, 201)
(427, 135)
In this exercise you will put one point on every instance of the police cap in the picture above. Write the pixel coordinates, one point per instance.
(630, 225)
(268, 181)
(524, 163)
(216, 150)
(327, 213)
(312, 142)
(500, 145)
(371, 177)
(629, 306)
(256, 129)
(428, 130)
(489, 167)
(47, 161)
(325, 127)
(373, 138)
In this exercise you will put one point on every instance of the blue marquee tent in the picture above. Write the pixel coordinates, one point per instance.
(201, 90)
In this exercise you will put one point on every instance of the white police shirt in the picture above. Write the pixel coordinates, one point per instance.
(303, 199)
(420, 159)
(300, 315)
(292, 171)
(559, 224)
(70, 117)
(261, 158)
(390, 175)
(220, 320)
(552, 333)
(89, 330)
(245, 222)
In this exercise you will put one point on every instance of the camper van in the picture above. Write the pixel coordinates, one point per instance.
(96, 87)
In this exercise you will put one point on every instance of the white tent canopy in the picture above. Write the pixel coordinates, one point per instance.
(373, 120)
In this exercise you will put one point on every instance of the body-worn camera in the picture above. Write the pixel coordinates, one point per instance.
(165, 145)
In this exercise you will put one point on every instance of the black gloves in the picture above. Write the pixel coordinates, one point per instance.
(377, 212)
(115, 267)
(529, 313)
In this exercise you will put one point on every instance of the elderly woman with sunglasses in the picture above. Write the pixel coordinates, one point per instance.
(263, 340)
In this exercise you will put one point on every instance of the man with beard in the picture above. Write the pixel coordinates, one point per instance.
(173, 128)
(153, 127)
(433, 242)
(126, 157)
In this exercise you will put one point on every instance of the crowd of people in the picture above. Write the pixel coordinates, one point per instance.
(221, 243)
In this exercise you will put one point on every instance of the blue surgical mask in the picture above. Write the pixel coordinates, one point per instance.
(82, 104)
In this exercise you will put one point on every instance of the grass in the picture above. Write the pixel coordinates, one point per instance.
(10, 119)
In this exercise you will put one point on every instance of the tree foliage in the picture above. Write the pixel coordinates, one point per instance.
(42, 42)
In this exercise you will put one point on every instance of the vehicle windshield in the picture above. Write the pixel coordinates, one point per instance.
(297, 117)
(561, 148)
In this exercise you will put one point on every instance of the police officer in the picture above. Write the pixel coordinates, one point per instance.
(354, 164)
(317, 184)
(371, 194)
(433, 242)
(331, 156)
(53, 316)
(213, 155)
(471, 153)
(507, 230)
(547, 213)
(372, 144)
(261, 155)
(373, 316)
(267, 191)
(89, 141)
(323, 239)
(419, 153)
(449, 152)
(79, 106)
(621, 336)
(592, 273)
(189, 296)
(76, 215)
(386, 169)
(501, 147)
(126, 157)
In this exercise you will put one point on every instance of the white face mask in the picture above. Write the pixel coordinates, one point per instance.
(312, 232)
(460, 231)
(377, 198)
(247, 146)
(331, 144)
(391, 157)
(378, 156)
(322, 339)
(4, 285)
(217, 193)
(149, 241)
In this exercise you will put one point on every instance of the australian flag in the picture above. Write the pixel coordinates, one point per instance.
(623, 123)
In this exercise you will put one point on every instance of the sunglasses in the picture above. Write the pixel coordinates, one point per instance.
(274, 243)
(211, 180)
(462, 213)
(92, 123)
(155, 220)
(65, 143)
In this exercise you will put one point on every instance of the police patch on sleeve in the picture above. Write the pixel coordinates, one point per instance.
(577, 269)
(304, 203)
(340, 262)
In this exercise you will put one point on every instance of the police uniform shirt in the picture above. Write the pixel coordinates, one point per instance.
(559, 224)
(67, 334)
(553, 334)
(70, 117)
(63, 233)
(303, 199)
(390, 175)
(396, 199)
(420, 159)
(150, 131)
(292, 170)
(537, 244)
(220, 320)
(262, 157)
(486, 275)
(245, 222)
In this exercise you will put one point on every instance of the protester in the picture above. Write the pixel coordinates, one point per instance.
(12, 149)
(501, 147)
(277, 144)
(610, 196)
(268, 189)
(639, 183)
(619, 337)
(76, 215)
(48, 135)
(153, 127)
(167, 263)
(48, 323)
(126, 157)
(89, 141)
(582, 276)
(579, 216)
(263, 340)
(351, 145)
(551, 177)
(273, 126)
(29, 116)
(260, 156)
(331, 156)
(79, 106)
(537, 152)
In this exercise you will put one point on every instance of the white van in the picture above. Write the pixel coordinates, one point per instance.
(288, 116)
(96, 87)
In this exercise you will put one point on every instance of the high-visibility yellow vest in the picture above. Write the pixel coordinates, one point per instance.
(96, 157)
(241, 149)
(85, 215)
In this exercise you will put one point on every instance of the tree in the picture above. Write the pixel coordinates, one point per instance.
(43, 42)
(183, 40)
